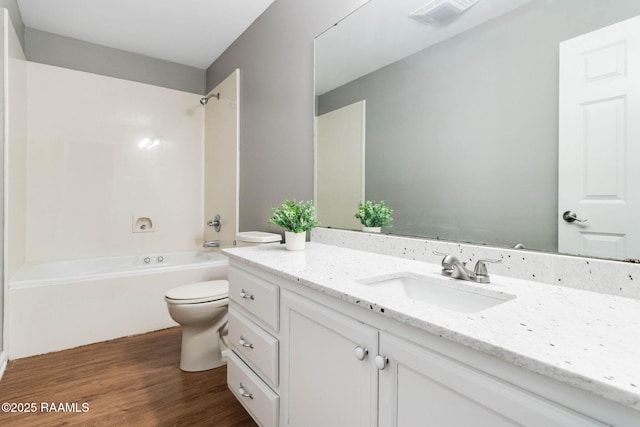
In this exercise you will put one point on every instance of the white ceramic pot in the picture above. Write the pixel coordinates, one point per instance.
(372, 229)
(294, 241)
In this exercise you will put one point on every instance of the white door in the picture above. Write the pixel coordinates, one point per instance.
(221, 160)
(599, 134)
(340, 141)
(328, 384)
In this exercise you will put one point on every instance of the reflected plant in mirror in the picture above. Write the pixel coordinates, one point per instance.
(374, 215)
(485, 128)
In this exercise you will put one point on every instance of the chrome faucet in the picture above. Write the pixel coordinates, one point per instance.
(211, 244)
(453, 267)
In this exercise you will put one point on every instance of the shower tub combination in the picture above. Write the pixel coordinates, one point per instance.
(63, 304)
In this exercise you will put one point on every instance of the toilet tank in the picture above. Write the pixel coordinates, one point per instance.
(254, 238)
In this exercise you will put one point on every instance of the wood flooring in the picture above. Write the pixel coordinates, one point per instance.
(132, 381)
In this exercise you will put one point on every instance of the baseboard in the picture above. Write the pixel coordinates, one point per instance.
(3, 363)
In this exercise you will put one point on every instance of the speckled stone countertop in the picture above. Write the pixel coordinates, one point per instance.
(581, 338)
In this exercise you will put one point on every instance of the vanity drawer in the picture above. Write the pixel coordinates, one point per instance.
(256, 295)
(252, 392)
(255, 345)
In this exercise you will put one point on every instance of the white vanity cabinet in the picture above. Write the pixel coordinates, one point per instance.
(320, 361)
(333, 381)
(253, 362)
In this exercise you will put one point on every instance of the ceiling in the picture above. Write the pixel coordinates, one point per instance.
(381, 33)
(189, 32)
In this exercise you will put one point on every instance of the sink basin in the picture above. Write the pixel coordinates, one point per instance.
(450, 294)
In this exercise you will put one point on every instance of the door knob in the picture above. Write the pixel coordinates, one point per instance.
(361, 352)
(571, 216)
(381, 361)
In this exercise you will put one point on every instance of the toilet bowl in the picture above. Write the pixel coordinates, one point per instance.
(201, 309)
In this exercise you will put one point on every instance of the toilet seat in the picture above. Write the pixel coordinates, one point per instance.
(212, 290)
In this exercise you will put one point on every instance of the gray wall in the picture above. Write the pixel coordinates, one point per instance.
(52, 49)
(275, 57)
(462, 137)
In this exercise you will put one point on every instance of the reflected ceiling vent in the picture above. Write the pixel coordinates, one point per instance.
(441, 11)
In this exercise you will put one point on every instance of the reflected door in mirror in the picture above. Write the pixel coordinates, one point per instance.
(599, 177)
(340, 142)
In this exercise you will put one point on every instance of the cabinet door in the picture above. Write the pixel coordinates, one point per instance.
(420, 387)
(328, 385)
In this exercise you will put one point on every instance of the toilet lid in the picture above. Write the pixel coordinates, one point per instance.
(258, 237)
(210, 291)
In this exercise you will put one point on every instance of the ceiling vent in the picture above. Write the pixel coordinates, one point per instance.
(440, 11)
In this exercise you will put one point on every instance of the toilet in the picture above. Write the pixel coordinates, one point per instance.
(201, 309)
(255, 238)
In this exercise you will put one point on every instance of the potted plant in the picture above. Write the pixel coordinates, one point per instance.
(296, 218)
(373, 216)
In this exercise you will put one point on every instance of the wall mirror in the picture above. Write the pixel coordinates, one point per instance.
(484, 121)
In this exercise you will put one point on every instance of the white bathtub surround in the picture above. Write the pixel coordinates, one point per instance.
(584, 339)
(102, 150)
(60, 305)
(222, 116)
(597, 275)
(15, 151)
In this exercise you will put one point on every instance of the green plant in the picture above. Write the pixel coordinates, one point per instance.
(372, 214)
(295, 216)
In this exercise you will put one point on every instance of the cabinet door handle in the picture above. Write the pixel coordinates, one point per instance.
(361, 352)
(243, 393)
(244, 343)
(245, 295)
(381, 361)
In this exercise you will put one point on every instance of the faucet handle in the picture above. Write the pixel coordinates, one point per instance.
(481, 268)
(448, 262)
(448, 259)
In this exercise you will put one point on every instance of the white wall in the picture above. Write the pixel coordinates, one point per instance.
(16, 151)
(12, 145)
(87, 175)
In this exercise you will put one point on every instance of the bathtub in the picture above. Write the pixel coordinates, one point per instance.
(58, 305)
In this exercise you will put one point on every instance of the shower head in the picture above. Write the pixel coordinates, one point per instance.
(206, 99)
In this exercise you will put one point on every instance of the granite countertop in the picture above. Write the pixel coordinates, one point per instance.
(581, 338)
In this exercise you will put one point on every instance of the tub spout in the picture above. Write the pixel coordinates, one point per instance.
(211, 244)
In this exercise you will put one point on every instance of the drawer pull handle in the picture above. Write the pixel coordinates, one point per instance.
(243, 393)
(245, 295)
(244, 343)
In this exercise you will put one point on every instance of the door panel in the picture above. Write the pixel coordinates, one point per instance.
(599, 147)
(327, 384)
(339, 157)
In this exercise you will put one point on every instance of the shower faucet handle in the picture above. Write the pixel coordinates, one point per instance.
(216, 223)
